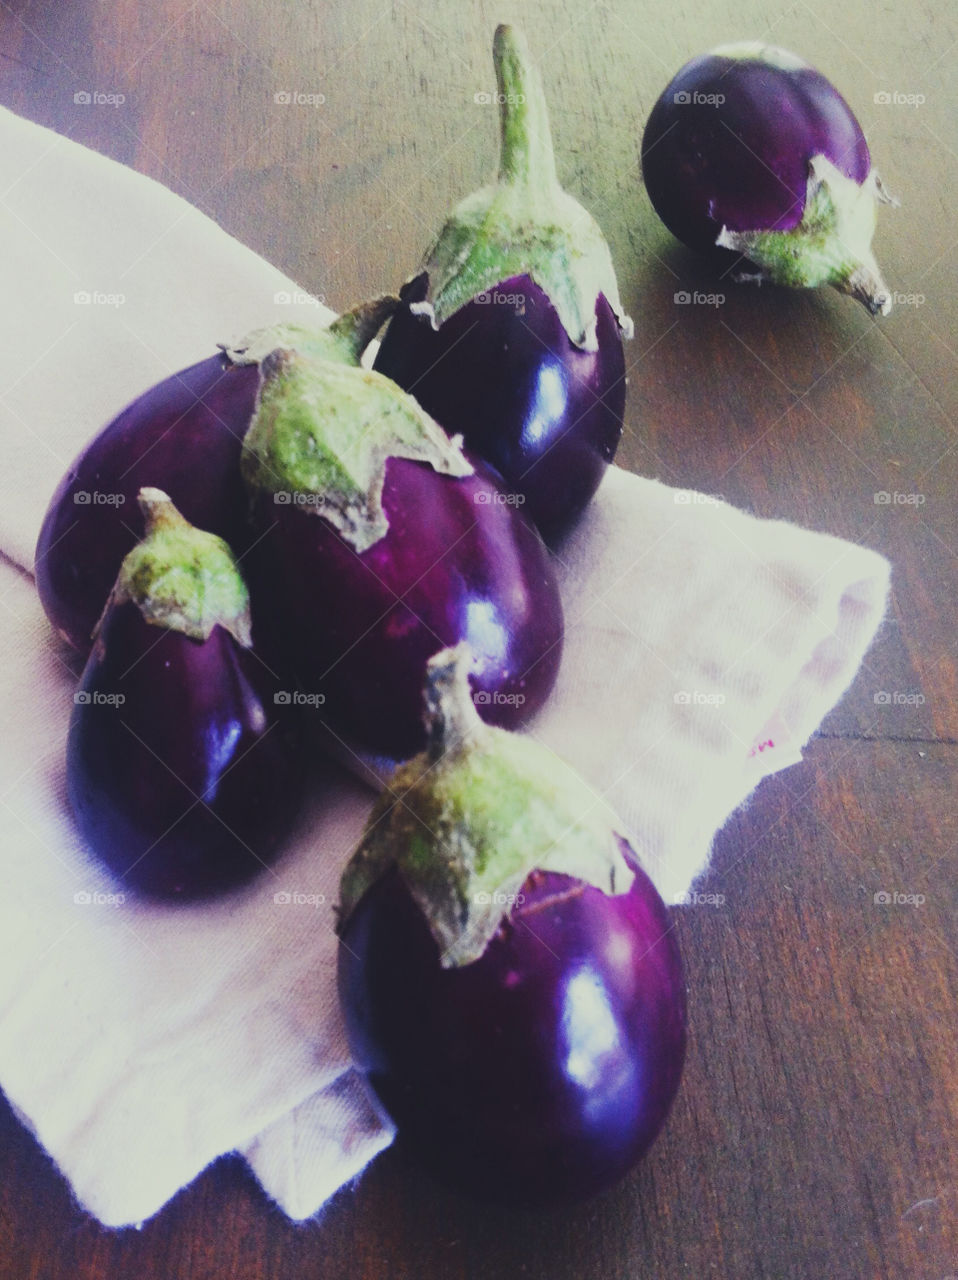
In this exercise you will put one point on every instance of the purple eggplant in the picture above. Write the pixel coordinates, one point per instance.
(183, 770)
(512, 989)
(511, 333)
(183, 436)
(381, 542)
(751, 150)
(546, 413)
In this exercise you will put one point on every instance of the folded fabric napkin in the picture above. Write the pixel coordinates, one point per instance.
(139, 1042)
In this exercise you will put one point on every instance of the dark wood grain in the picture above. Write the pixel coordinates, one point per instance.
(815, 1132)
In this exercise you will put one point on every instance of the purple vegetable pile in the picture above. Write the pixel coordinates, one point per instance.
(278, 527)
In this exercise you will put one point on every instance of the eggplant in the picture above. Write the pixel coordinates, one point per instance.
(183, 436)
(380, 542)
(511, 332)
(184, 768)
(751, 151)
(511, 986)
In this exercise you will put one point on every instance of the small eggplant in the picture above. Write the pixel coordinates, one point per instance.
(750, 149)
(380, 543)
(183, 436)
(183, 771)
(511, 333)
(511, 985)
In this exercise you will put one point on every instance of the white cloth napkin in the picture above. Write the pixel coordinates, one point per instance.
(139, 1042)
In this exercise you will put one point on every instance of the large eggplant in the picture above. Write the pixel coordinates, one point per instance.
(381, 542)
(512, 987)
(183, 769)
(511, 334)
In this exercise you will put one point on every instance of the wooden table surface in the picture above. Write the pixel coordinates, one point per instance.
(816, 1134)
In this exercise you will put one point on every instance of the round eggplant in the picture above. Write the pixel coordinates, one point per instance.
(183, 771)
(523, 1026)
(749, 149)
(380, 543)
(511, 333)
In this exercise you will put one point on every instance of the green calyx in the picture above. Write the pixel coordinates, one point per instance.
(831, 244)
(523, 224)
(343, 341)
(469, 819)
(181, 578)
(324, 427)
(321, 436)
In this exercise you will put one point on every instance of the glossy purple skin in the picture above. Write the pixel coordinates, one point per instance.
(545, 414)
(189, 786)
(539, 1073)
(182, 436)
(456, 563)
(744, 163)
